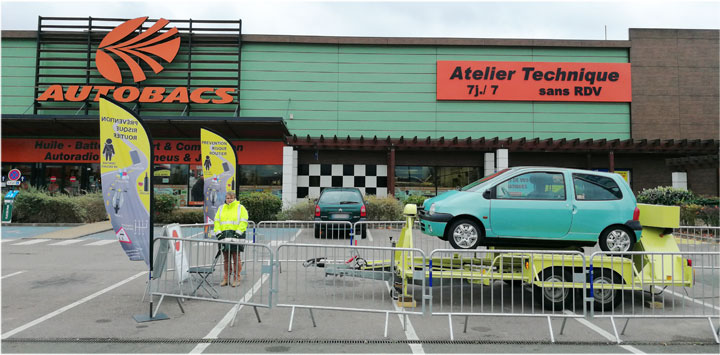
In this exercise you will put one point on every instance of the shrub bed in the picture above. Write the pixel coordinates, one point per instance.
(37, 206)
(383, 208)
(301, 211)
(261, 206)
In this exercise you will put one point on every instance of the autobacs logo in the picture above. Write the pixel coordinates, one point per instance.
(127, 44)
(119, 42)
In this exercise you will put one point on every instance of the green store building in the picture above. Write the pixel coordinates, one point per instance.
(392, 116)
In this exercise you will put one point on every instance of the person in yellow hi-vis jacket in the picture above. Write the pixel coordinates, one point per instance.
(231, 221)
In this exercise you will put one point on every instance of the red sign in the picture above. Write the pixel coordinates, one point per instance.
(53, 179)
(20, 150)
(73, 179)
(14, 174)
(533, 81)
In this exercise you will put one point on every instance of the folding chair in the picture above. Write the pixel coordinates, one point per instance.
(204, 275)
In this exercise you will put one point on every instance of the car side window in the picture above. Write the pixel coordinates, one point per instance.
(533, 186)
(595, 187)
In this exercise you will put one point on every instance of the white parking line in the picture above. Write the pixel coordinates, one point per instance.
(602, 332)
(692, 299)
(369, 235)
(61, 310)
(13, 274)
(410, 331)
(32, 241)
(101, 242)
(68, 242)
(228, 317)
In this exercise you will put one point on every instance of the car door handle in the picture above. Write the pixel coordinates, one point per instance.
(574, 209)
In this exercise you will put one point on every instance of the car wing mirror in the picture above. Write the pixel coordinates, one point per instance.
(487, 194)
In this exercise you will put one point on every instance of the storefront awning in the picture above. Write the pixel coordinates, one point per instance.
(685, 146)
(173, 127)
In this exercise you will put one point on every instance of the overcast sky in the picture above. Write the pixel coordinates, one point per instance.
(474, 19)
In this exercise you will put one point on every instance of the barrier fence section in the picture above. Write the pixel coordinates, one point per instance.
(194, 268)
(350, 278)
(275, 233)
(383, 233)
(678, 285)
(507, 283)
(698, 238)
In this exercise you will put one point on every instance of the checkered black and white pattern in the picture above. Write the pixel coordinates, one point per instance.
(312, 178)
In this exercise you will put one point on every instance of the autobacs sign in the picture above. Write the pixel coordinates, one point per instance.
(150, 47)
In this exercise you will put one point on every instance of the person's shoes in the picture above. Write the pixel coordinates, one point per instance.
(236, 282)
(224, 282)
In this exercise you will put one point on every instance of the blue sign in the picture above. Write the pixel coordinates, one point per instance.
(11, 194)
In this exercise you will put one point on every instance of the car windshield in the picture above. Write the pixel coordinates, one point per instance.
(340, 197)
(474, 186)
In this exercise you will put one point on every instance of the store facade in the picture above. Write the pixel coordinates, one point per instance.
(392, 116)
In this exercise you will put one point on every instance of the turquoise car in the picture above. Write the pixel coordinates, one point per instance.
(537, 207)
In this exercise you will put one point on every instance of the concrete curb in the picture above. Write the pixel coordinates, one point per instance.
(77, 232)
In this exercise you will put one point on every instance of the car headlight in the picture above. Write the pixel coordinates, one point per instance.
(432, 209)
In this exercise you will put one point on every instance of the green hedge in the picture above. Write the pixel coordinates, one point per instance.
(383, 208)
(301, 211)
(667, 196)
(693, 208)
(261, 206)
(37, 206)
(415, 199)
(182, 216)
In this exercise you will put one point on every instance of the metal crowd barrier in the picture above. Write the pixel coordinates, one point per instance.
(275, 233)
(507, 283)
(350, 278)
(652, 285)
(383, 233)
(698, 238)
(192, 268)
(342, 271)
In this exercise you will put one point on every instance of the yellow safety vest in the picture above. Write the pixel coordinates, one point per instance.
(231, 217)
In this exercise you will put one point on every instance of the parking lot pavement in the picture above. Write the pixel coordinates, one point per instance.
(83, 296)
(15, 232)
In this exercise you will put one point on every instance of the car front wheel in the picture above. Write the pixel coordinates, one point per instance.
(465, 234)
(617, 239)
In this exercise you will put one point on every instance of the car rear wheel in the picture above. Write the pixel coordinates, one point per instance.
(465, 234)
(317, 231)
(617, 239)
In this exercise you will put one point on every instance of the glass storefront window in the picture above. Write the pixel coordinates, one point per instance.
(196, 184)
(414, 180)
(430, 180)
(453, 178)
(172, 179)
(263, 178)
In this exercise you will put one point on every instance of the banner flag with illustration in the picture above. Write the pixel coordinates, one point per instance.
(126, 175)
(219, 166)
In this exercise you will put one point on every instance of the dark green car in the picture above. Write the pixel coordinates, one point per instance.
(337, 204)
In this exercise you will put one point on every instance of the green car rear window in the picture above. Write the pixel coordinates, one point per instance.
(340, 197)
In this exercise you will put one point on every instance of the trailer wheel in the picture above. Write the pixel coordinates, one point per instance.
(606, 299)
(465, 234)
(616, 239)
(553, 298)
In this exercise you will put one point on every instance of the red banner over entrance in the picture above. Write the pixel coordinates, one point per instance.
(44, 150)
(533, 81)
